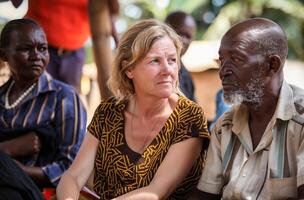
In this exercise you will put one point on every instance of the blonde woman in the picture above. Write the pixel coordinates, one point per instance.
(146, 142)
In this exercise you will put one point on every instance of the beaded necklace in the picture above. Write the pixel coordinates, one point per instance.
(19, 99)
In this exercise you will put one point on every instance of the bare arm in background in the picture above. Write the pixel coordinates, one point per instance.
(101, 15)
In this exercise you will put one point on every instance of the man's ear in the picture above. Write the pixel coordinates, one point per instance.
(274, 64)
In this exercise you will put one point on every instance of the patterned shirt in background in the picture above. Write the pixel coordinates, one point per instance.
(274, 169)
(53, 110)
(119, 170)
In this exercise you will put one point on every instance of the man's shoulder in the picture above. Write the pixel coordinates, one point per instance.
(298, 98)
(226, 120)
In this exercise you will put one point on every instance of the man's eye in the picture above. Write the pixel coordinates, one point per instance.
(236, 59)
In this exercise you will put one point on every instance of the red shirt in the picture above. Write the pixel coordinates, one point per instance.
(65, 22)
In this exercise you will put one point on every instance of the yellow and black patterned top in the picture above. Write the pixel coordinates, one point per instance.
(119, 170)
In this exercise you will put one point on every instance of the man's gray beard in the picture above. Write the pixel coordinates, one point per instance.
(252, 94)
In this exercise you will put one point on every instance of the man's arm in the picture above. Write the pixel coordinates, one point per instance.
(200, 195)
(211, 180)
(301, 192)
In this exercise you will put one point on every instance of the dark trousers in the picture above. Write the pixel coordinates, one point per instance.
(66, 66)
(14, 183)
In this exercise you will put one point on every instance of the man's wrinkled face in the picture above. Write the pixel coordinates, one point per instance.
(241, 69)
(252, 93)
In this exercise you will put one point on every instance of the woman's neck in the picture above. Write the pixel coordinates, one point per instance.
(150, 107)
(20, 85)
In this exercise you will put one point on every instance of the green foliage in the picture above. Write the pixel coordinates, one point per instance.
(184, 5)
(288, 13)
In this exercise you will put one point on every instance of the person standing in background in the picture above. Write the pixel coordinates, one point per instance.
(66, 24)
(102, 15)
(185, 27)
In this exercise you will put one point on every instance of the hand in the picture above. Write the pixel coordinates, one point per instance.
(22, 166)
(24, 145)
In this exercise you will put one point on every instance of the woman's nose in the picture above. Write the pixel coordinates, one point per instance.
(167, 67)
(34, 54)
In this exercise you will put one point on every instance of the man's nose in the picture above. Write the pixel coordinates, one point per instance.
(225, 68)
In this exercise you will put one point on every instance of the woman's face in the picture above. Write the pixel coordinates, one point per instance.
(157, 73)
(27, 53)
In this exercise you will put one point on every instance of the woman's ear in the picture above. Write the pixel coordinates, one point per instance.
(275, 64)
(128, 72)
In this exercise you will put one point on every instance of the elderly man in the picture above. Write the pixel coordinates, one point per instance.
(257, 147)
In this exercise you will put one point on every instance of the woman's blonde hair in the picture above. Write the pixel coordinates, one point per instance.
(133, 46)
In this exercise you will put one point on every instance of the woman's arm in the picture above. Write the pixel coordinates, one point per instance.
(76, 176)
(70, 126)
(174, 168)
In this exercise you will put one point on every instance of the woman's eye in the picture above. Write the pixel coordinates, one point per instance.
(154, 61)
(42, 49)
(23, 49)
(172, 61)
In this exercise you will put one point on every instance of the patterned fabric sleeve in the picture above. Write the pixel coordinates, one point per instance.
(191, 123)
(95, 126)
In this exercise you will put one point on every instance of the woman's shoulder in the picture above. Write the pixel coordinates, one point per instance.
(186, 104)
(111, 104)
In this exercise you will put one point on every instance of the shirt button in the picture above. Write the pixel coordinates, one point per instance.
(244, 174)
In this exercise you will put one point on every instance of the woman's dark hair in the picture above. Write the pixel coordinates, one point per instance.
(14, 25)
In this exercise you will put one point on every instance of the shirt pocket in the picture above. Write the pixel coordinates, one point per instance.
(281, 188)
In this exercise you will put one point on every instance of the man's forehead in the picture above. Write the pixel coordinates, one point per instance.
(239, 39)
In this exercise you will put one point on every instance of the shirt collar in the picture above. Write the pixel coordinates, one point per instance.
(45, 83)
(241, 117)
(285, 109)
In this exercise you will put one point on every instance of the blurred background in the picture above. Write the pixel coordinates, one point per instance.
(213, 18)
